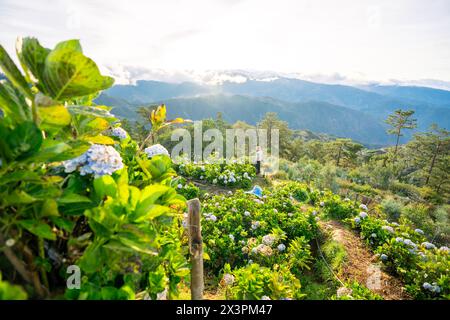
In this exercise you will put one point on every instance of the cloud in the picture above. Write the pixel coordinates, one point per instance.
(356, 39)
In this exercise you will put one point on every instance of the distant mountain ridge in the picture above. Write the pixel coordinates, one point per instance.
(304, 104)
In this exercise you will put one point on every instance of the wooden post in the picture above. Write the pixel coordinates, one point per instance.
(195, 249)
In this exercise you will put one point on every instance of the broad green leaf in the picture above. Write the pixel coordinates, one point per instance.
(49, 208)
(73, 198)
(93, 258)
(97, 125)
(99, 139)
(152, 211)
(22, 175)
(13, 73)
(38, 228)
(18, 197)
(149, 196)
(55, 116)
(131, 241)
(105, 186)
(69, 74)
(32, 58)
(53, 150)
(73, 44)
(13, 103)
(24, 140)
(94, 111)
(63, 223)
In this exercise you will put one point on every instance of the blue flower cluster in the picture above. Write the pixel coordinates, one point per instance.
(432, 287)
(99, 160)
(155, 150)
(119, 133)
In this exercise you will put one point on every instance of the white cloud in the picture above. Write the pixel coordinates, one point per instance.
(360, 39)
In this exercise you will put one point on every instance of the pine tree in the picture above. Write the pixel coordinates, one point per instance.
(399, 120)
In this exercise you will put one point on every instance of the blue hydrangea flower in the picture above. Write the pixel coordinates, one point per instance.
(419, 231)
(444, 248)
(363, 215)
(388, 229)
(363, 207)
(427, 286)
(281, 247)
(383, 257)
(357, 220)
(156, 149)
(99, 160)
(119, 133)
(428, 245)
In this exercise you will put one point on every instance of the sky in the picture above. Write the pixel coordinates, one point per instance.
(407, 40)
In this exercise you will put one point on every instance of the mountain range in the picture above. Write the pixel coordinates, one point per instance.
(340, 110)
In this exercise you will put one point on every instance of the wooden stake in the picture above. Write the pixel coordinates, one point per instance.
(195, 249)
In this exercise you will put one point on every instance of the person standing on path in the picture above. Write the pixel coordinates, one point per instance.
(259, 158)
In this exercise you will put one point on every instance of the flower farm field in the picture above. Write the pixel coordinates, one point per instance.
(78, 191)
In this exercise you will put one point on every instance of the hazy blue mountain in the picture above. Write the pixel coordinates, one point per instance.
(303, 104)
(315, 116)
(147, 91)
(415, 94)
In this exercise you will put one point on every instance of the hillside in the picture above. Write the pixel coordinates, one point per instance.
(320, 117)
(377, 102)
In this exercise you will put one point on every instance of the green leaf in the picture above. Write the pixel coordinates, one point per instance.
(152, 211)
(99, 139)
(132, 241)
(49, 208)
(93, 258)
(105, 186)
(69, 74)
(73, 198)
(63, 223)
(13, 73)
(149, 196)
(54, 116)
(18, 197)
(24, 140)
(22, 175)
(73, 44)
(38, 228)
(13, 103)
(32, 58)
(94, 111)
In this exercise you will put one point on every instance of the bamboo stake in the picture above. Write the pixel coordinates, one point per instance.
(196, 249)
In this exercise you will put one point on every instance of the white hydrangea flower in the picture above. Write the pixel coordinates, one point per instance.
(179, 186)
(388, 229)
(231, 237)
(363, 207)
(255, 225)
(119, 133)
(268, 240)
(383, 257)
(99, 160)
(363, 215)
(246, 213)
(10, 242)
(265, 298)
(419, 231)
(322, 203)
(281, 247)
(156, 149)
(228, 279)
(215, 181)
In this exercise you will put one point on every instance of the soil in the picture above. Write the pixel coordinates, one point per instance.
(361, 264)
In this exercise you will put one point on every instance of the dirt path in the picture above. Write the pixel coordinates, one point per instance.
(361, 265)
